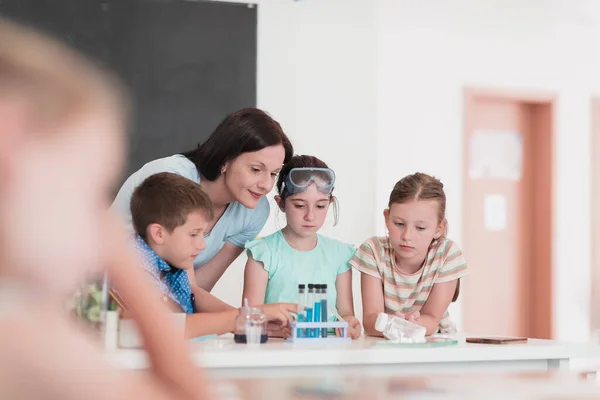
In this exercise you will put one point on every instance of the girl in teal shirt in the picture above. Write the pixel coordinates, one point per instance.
(297, 254)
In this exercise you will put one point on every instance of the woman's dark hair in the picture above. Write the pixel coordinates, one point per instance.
(303, 161)
(242, 131)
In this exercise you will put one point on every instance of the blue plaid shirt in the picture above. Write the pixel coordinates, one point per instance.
(171, 281)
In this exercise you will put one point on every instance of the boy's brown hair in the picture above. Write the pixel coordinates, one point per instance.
(167, 199)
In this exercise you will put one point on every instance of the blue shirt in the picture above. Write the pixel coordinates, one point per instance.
(237, 225)
(171, 281)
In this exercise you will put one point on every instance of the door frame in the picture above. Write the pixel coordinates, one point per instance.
(543, 321)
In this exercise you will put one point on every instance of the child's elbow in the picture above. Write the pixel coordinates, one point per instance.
(431, 330)
(371, 331)
(431, 324)
(369, 325)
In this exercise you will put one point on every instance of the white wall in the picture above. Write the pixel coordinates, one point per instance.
(429, 52)
(316, 75)
(385, 78)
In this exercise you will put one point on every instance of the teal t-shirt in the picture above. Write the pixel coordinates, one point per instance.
(288, 267)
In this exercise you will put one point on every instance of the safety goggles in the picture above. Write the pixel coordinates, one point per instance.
(299, 179)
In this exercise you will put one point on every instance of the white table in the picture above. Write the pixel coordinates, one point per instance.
(225, 358)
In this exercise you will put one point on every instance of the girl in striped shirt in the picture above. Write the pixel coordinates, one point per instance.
(414, 271)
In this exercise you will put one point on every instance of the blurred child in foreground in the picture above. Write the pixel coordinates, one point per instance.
(61, 150)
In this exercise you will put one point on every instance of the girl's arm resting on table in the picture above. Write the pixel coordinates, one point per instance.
(208, 274)
(255, 286)
(372, 299)
(436, 305)
(255, 282)
(345, 303)
(343, 286)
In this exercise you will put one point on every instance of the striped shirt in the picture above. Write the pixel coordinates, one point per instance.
(405, 293)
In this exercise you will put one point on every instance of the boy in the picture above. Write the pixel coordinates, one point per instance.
(170, 214)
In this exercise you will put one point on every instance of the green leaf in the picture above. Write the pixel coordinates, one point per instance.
(93, 314)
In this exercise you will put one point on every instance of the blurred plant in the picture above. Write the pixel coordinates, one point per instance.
(86, 304)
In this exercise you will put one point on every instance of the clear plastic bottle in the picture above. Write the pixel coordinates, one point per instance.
(399, 330)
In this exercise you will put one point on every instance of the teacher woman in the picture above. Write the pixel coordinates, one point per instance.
(236, 166)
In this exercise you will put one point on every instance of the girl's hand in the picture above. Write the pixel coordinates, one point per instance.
(354, 327)
(412, 316)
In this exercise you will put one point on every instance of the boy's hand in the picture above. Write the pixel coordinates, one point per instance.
(274, 329)
(280, 312)
(354, 327)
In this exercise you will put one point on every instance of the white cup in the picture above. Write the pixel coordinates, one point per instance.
(129, 336)
(111, 330)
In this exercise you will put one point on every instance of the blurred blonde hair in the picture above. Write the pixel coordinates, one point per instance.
(54, 86)
(56, 83)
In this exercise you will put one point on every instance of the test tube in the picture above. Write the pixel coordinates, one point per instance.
(324, 309)
(301, 305)
(310, 300)
(316, 332)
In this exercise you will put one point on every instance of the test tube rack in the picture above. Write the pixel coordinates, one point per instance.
(344, 338)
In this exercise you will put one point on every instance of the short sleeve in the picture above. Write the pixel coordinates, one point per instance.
(454, 265)
(121, 204)
(347, 251)
(256, 223)
(365, 261)
(260, 251)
